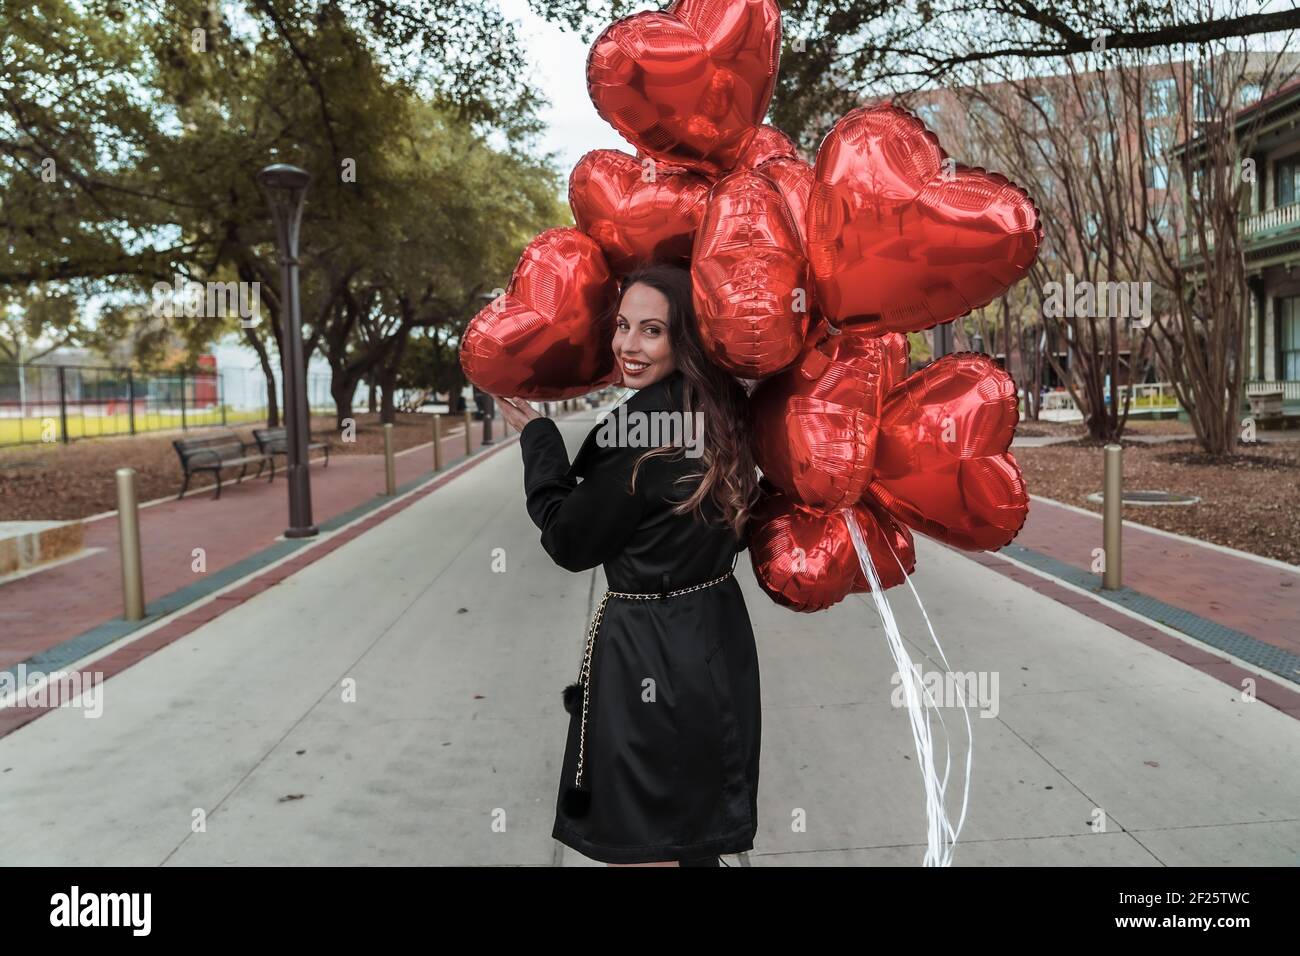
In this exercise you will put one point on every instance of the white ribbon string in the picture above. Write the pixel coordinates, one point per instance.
(941, 837)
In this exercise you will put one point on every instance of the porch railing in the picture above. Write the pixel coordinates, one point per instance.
(1290, 390)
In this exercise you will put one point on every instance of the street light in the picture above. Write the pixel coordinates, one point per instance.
(285, 187)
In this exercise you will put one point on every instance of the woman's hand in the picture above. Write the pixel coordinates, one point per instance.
(516, 412)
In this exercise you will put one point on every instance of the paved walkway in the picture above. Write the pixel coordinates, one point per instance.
(54, 605)
(384, 697)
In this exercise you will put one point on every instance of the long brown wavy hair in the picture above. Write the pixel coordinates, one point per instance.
(730, 474)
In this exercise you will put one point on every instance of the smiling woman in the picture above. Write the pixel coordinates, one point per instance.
(660, 764)
(641, 336)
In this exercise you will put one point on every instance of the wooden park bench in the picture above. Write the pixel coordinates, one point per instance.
(219, 452)
(275, 441)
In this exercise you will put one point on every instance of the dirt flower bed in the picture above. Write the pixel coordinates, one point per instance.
(1250, 501)
(1136, 426)
(57, 481)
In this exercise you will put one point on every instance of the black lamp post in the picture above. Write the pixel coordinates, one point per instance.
(285, 187)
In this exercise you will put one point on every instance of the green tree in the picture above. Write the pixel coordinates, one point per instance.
(131, 133)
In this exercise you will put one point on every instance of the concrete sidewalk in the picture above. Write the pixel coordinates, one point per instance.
(239, 743)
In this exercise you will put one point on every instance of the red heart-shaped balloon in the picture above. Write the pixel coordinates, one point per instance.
(807, 562)
(942, 464)
(638, 213)
(690, 84)
(750, 278)
(899, 237)
(768, 143)
(662, 167)
(894, 363)
(550, 335)
(773, 154)
(793, 179)
(814, 424)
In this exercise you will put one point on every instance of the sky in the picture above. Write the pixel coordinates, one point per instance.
(560, 70)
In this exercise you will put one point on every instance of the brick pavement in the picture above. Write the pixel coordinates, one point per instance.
(1254, 597)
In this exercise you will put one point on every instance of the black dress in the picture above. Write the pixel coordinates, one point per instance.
(673, 717)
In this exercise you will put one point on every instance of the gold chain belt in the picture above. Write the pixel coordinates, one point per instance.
(584, 674)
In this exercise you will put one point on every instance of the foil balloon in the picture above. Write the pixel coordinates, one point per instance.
(806, 561)
(768, 143)
(793, 179)
(814, 425)
(691, 84)
(942, 464)
(637, 214)
(899, 237)
(895, 360)
(750, 278)
(550, 335)
(773, 154)
(662, 167)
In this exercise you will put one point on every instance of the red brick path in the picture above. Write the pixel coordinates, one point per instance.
(1255, 598)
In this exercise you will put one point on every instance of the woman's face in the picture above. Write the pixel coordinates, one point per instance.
(641, 344)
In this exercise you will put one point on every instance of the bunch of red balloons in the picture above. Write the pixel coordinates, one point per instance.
(806, 278)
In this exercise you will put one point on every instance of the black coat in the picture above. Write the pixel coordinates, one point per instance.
(673, 712)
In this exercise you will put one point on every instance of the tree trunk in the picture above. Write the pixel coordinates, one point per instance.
(1037, 373)
(272, 393)
(1006, 347)
(342, 387)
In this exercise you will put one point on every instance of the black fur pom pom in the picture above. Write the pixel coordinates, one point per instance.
(577, 801)
(573, 698)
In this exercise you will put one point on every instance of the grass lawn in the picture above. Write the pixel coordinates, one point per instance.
(15, 431)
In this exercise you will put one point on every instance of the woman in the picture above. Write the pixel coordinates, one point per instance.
(661, 762)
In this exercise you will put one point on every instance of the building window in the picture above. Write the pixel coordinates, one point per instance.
(1289, 314)
(1162, 94)
(1204, 99)
(1249, 93)
(1158, 136)
(1043, 110)
(1286, 177)
(929, 114)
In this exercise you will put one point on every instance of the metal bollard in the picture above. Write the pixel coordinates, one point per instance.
(1112, 518)
(437, 442)
(390, 466)
(128, 526)
(469, 439)
(489, 413)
